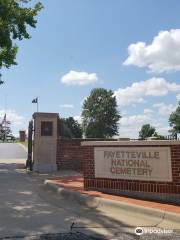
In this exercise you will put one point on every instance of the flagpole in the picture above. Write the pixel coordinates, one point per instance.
(36, 100)
(37, 104)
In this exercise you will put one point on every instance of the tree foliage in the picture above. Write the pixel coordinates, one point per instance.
(14, 20)
(69, 128)
(158, 136)
(147, 131)
(174, 120)
(1, 82)
(100, 115)
(74, 126)
(5, 131)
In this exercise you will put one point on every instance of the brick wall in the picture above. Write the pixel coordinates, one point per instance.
(70, 153)
(169, 191)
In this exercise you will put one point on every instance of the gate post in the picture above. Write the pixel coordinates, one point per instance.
(29, 163)
(45, 142)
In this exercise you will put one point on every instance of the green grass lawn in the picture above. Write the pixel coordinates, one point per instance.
(24, 143)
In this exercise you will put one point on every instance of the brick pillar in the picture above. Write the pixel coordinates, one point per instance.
(45, 142)
(22, 135)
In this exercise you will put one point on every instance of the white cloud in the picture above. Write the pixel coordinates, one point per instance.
(12, 116)
(178, 97)
(138, 90)
(162, 55)
(163, 130)
(66, 106)
(134, 120)
(165, 109)
(131, 125)
(78, 118)
(79, 78)
(124, 112)
(148, 111)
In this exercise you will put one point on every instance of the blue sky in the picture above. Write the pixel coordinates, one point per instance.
(129, 46)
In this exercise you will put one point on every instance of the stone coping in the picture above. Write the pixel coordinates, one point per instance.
(44, 114)
(132, 143)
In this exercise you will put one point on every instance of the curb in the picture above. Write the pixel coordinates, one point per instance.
(88, 201)
(100, 203)
(25, 148)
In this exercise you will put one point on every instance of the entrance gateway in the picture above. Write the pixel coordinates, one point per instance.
(147, 169)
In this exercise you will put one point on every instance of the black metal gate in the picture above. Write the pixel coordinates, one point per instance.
(29, 162)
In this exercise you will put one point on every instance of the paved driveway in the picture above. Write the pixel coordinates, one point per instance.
(12, 155)
(12, 151)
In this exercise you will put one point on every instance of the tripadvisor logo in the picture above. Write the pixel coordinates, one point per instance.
(139, 231)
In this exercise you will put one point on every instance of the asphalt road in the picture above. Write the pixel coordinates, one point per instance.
(12, 151)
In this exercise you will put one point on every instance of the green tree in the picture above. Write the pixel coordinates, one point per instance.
(100, 115)
(158, 136)
(146, 131)
(5, 131)
(69, 128)
(74, 126)
(1, 82)
(63, 130)
(14, 20)
(174, 121)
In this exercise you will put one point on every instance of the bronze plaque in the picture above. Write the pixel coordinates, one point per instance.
(46, 128)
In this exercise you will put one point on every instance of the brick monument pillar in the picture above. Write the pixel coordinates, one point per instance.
(45, 139)
(22, 135)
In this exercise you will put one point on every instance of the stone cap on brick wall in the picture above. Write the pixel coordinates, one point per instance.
(131, 143)
(44, 114)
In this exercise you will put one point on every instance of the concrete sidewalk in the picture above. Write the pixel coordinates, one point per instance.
(146, 213)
